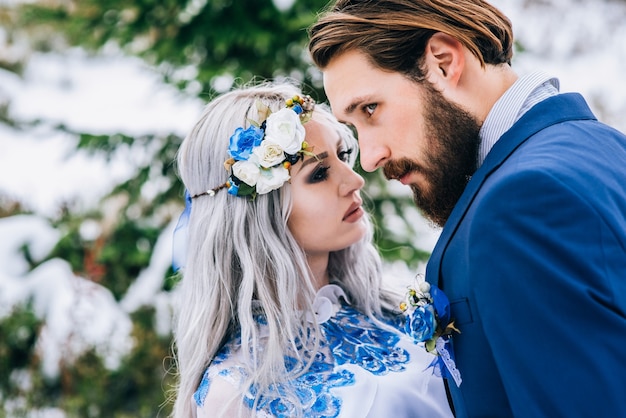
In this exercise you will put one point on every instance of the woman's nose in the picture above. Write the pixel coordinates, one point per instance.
(351, 181)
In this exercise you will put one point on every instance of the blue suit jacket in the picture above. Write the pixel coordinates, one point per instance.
(533, 260)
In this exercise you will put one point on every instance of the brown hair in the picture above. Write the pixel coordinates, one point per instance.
(394, 33)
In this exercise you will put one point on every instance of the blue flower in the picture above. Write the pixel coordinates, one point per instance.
(421, 324)
(297, 108)
(233, 189)
(243, 141)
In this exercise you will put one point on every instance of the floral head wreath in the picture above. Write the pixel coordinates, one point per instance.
(261, 156)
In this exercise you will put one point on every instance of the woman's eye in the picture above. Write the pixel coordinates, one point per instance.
(344, 155)
(369, 109)
(319, 174)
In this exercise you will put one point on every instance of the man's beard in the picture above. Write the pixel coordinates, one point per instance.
(450, 158)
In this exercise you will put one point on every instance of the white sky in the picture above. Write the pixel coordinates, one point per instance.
(580, 42)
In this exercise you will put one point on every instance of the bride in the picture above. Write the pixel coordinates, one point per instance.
(282, 311)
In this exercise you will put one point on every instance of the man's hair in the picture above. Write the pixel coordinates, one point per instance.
(393, 33)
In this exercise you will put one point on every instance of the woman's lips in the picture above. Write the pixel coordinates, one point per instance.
(354, 213)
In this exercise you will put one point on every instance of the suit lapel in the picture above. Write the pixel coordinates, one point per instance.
(556, 109)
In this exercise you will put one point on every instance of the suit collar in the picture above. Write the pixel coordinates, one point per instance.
(556, 109)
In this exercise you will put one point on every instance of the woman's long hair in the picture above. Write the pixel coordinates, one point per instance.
(242, 257)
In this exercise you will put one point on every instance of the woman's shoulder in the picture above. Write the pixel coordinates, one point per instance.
(219, 390)
(226, 369)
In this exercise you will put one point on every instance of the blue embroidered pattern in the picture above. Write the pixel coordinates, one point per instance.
(350, 337)
(312, 390)
(354, 339)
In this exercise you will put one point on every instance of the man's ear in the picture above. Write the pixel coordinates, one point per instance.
(444, 58)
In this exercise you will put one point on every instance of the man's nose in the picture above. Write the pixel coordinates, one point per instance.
(373, 153)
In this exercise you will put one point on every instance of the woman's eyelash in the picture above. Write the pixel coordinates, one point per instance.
(344, 155)
(319, 174)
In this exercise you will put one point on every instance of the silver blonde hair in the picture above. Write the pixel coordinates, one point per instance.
(242, 257)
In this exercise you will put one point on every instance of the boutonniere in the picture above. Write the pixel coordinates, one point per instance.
(427, 311)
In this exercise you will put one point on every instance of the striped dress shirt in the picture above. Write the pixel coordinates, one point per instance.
(526, 92)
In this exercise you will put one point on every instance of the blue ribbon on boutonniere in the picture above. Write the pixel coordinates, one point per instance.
(428, 320)
(442, 343)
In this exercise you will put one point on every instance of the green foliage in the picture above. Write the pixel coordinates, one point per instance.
(18, 333)
(242, 38)
(394, 244)
(135, 389)
(86, 388)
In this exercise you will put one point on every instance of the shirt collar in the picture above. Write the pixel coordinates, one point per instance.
(526, 92)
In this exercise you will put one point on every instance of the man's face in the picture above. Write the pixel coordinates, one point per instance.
(408, 128)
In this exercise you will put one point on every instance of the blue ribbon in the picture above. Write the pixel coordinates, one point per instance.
(181, 232)
(445, 361)
(441, 303)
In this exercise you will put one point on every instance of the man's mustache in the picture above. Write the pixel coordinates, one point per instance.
(395, 169)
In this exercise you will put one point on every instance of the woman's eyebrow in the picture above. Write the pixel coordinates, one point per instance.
(315, 158)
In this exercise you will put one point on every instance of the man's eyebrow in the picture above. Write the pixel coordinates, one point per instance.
(353, 105)
(314, 158)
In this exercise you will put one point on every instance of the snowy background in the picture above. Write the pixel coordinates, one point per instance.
(580, 42)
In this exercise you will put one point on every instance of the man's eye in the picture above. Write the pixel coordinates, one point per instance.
(319, 174)
(369, 109)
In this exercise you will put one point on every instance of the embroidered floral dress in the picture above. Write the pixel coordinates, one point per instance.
(361, 370)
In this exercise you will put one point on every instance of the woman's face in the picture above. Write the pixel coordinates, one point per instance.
(327, 214)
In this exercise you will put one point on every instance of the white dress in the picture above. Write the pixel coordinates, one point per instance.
(361, 370)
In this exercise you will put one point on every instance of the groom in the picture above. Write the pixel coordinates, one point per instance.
(529, 187)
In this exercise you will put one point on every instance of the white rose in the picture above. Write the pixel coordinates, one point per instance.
(285, 129)
(269, 154)
(247, 171)
(272, 179)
